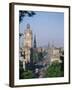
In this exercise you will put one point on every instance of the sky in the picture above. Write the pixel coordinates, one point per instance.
(47, 26)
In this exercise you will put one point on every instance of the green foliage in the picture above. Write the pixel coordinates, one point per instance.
(20, 64)
(45, 53)
(20, 34)
(35, 57)
(22, 14)
(21, 70)
(54, 70)
(27, 74)
(24, 74)
(40, 56)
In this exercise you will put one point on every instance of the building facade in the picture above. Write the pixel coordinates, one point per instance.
(53, 54)
(27, 43)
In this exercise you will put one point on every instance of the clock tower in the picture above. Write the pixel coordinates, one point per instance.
(27, 43)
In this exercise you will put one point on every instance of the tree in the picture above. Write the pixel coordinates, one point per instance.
(54, 70)
(22, 14)
(21, 70)
(40, 56)
(20, 34)
(27, 74)
(35, 57)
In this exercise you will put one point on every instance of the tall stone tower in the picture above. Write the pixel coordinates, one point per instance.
(27, 43)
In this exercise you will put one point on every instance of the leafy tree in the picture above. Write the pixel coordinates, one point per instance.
(62, 60)
(40, 56)
(20, 34)
(27, 74)
(21, 70)
(35, 57)
(44, 53)
(22, 14)
(54, 70)
(24, 74)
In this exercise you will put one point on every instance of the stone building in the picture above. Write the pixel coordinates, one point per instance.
(27, 43)
(53, 54)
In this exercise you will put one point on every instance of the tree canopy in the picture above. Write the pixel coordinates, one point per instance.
(54, 70)
(22, 14)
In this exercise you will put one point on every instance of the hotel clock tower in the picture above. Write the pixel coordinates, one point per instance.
(27, 43)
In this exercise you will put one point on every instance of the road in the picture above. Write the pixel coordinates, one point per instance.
(42, 66)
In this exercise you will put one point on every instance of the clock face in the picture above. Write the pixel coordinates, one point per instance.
(28, 34)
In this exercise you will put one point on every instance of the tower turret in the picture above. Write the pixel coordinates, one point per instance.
(27, 43)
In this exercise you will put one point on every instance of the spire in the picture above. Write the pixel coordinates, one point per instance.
(28, 26)
(34, 41)
(53, 44)
(49, 45)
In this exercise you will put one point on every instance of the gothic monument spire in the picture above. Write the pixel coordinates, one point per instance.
(35, 41)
